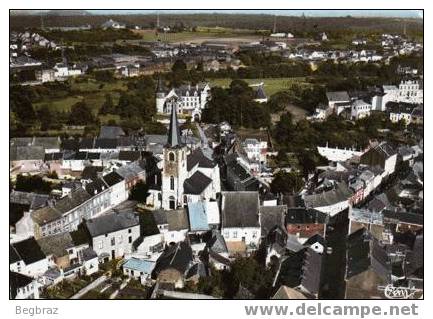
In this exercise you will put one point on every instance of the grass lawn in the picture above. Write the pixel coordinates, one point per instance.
(271, 85)
(93, 92)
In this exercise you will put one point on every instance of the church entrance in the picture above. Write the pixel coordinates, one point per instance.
(171, 202)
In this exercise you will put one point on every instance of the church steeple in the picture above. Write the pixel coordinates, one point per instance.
(173, 139)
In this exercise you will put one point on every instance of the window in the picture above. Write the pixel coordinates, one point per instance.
(129, 231)
(101, 244)
(235, 234)
(113, 241)
(130, 239)
(172, 182)
(120, 239)
(171, 157)
(226, 233)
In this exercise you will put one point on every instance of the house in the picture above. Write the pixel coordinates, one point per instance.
(173, 265)
(304, 223)
(56, 247)
(45, 75)
(335, 154)
(240, 224)
(111, 24)
(360, 109)
(302, 270)
(22, 286)
(198, 219)
(260, 95)
(382, 155)
(271, 217)
(133, 173)
(26, 159)
(26, 257)
(331, 202)
(111, 132)
(218, 253)
(112, 235)
(256, 150)
(139, 269)
(366, 268)
(173, 225)
(403, 112)
(338, 101)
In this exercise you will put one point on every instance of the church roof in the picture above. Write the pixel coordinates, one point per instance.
(173, 139)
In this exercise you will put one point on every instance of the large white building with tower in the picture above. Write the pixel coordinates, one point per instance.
(189, 99)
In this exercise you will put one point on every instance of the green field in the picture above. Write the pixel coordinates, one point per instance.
(271, 86)
(202, 34)
(92, 92)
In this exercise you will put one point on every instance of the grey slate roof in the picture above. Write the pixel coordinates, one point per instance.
(197, 157)
(27, 250)
(196, 184)
(56, 245)
(338, 96)
(75, 199)
(26, 153)
(305, 216)
(240, 209)
(271, 216)
(327, 198)
(112, 222)
(111, 132)
(34, 200)
(312, 271)
(260, 93)
(178, 256)
(112, 178)
(217, 243)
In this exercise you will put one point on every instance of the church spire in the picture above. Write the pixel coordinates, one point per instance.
(173, 139)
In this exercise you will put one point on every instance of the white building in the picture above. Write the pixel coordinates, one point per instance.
(256, 150)
(22, 286)
(337, 154)
(113, 234)
(331, 202)
(188, 99)
(360, 109)
(26, 257)
(240, 219)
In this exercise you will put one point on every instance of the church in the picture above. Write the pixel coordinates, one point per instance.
(188, 99)
(186, 176)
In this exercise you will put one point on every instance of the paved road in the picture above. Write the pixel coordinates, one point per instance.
(89, 287)
(204, 141)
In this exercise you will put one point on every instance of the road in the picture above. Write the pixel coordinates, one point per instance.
(204, 141)
(89, 287)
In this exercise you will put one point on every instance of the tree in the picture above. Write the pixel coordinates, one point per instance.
(139, 192)
(284, 182)
(108, 105)
(81, 114)
(178, 66)
(32, 184)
